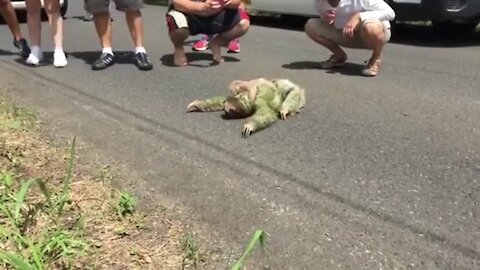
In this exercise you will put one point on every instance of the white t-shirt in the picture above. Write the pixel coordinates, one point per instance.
(369, 9)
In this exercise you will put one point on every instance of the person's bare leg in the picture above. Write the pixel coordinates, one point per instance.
(34, 29)
(178, 38)
(338, 52)
(223, 39)
(135, 25)
(52, 8)
(103, 28)
(373, 35)
(10, 17)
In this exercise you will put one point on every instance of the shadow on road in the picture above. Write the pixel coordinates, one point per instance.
(167, 59)
(419, 34)
(4, 52)
(351, 69)
(121, 57)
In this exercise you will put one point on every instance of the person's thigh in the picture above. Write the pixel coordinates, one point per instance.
(97, 6)
(327, 31)
(128, 5)
(359, 36)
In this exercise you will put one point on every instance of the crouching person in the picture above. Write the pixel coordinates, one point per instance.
(221, 18)
(360, 24)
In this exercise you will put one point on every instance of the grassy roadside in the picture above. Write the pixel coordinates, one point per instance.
(57, 214)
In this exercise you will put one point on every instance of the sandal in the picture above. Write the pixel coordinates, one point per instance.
(372, 68)
(333, 62)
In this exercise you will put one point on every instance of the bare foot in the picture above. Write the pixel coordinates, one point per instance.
(179, 57)
(216, 48)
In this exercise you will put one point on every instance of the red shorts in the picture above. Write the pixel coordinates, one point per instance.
(244, 14)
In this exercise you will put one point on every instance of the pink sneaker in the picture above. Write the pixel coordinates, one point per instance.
(234, 46)
(200, 45)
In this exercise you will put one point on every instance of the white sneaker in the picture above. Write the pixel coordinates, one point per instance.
(59, 59)
(35, 57)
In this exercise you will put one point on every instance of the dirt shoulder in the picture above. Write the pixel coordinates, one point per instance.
(59, 210)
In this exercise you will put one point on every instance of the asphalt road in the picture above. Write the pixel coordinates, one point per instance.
(375, 173)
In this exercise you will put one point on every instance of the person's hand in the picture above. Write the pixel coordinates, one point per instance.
(225, 2)
(329, 16)
(211, 7)
(351, 25)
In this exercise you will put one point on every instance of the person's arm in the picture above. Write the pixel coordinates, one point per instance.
(378, 10)
(206, 8)
(213, 104)
(187, 6)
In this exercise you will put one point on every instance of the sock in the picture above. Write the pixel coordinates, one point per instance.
(58, 50)
(107, 50)
(36, 51)
(35, 56)
(140, 50)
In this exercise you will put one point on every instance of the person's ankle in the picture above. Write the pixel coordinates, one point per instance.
(140, 49)
(107, 50)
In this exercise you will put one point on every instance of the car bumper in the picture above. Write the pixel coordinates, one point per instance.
(20, 5)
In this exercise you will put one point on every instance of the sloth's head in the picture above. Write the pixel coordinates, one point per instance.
(238, 107)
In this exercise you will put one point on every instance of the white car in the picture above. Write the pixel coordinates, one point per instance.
(20, 5)
(284, 7)
(456, 15)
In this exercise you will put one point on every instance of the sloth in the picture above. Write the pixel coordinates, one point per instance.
(260, 100)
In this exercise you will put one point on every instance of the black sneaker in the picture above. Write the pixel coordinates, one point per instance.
(142, 61)
(22, 46)
(105, 60)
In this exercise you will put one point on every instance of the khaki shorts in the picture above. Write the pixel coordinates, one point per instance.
(98, 6)
(329, 32)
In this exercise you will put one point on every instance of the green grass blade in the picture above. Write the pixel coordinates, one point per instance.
(7, 180)
(36, 253)
(258, 237)
(15, 261)
(20, 199)
(68, 178)
(46, 193)
(34, 250)
(8, 213)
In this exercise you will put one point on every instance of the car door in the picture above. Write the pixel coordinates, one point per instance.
(291, 7)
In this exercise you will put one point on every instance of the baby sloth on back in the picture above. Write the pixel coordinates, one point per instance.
(263, 101)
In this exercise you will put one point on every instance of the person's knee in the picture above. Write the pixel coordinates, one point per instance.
(244, 25)
(310, 27)
(134, 13)
(52, 7)
(373, 31)
(33, 9)
(179, 35)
